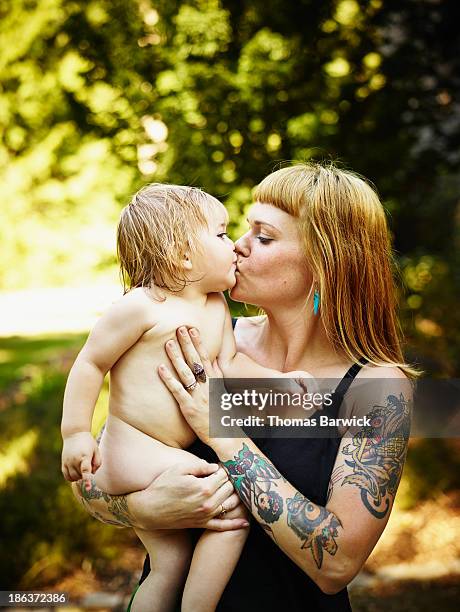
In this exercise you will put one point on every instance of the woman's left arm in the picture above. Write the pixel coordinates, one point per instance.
(329, 543)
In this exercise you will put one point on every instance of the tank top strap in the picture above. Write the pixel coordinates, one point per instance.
(345, 383)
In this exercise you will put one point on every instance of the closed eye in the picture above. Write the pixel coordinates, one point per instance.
(263, 240)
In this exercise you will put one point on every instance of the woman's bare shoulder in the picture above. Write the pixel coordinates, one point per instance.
(382, 371)
(383, 381)
(377, 386)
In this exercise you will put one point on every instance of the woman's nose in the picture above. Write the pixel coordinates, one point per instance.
(242, 246)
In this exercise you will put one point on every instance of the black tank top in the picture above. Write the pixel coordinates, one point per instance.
(265, 579)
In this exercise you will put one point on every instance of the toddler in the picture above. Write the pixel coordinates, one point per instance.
(175, 260)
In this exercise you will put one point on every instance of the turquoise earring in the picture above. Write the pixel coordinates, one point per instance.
(316, 302)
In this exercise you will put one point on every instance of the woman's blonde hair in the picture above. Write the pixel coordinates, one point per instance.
(348, 248)
(156, 230)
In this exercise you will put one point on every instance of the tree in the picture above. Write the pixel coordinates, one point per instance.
(101, 96)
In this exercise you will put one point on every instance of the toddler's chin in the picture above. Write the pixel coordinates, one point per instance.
(227, 284)
(232, 282)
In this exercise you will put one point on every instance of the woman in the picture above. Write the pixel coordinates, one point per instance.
(316, 259)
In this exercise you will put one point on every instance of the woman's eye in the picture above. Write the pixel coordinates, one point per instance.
(263, 240)
(222, 234)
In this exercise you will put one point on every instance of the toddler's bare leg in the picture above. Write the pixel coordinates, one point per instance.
(214, 559)
(170, 553)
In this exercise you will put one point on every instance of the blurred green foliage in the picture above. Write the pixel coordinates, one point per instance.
(432, 467)
(43, 526)
(98, 97)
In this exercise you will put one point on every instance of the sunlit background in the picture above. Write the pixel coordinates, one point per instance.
(99, 97)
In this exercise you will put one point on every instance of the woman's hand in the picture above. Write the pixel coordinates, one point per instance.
(188, 357)
(183, 497)
(196, 495)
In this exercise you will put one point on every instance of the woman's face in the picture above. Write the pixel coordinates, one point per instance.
(272, 268)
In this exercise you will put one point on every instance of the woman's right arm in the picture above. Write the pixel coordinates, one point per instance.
(181, 497)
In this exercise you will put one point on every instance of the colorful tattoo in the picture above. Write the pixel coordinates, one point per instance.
(254, 478)
(377, 454)
(116, 505)
(315, 525)
(335, 477)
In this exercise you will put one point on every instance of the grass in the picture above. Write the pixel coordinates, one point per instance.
(17, 353)
(41, 521)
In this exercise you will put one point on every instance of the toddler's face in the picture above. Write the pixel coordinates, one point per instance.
(218, 263)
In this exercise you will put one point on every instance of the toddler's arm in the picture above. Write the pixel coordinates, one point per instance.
(117, 330)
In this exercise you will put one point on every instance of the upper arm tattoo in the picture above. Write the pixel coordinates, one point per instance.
(335, 477)
(377, 453)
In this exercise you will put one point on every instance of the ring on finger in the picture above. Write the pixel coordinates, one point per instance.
(199, 372)
(222, 512)
(192, 386)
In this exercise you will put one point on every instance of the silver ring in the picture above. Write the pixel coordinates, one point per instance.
(192, 386)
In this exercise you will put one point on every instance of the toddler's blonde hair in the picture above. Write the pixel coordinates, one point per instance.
(156, 230)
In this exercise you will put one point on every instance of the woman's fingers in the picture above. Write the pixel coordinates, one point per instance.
(217, 479)
(189, 351)
(181, 395)
(194, 352)
(202, 352)
(221, 496)
(228, 524)
(234, 518)
(228, 503)
(185, 374)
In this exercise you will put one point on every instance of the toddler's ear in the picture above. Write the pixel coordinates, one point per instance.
(187, 262)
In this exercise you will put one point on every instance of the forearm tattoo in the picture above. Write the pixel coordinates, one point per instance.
(116, 505)
(313, 524)
(255, 480)
(377, 453)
